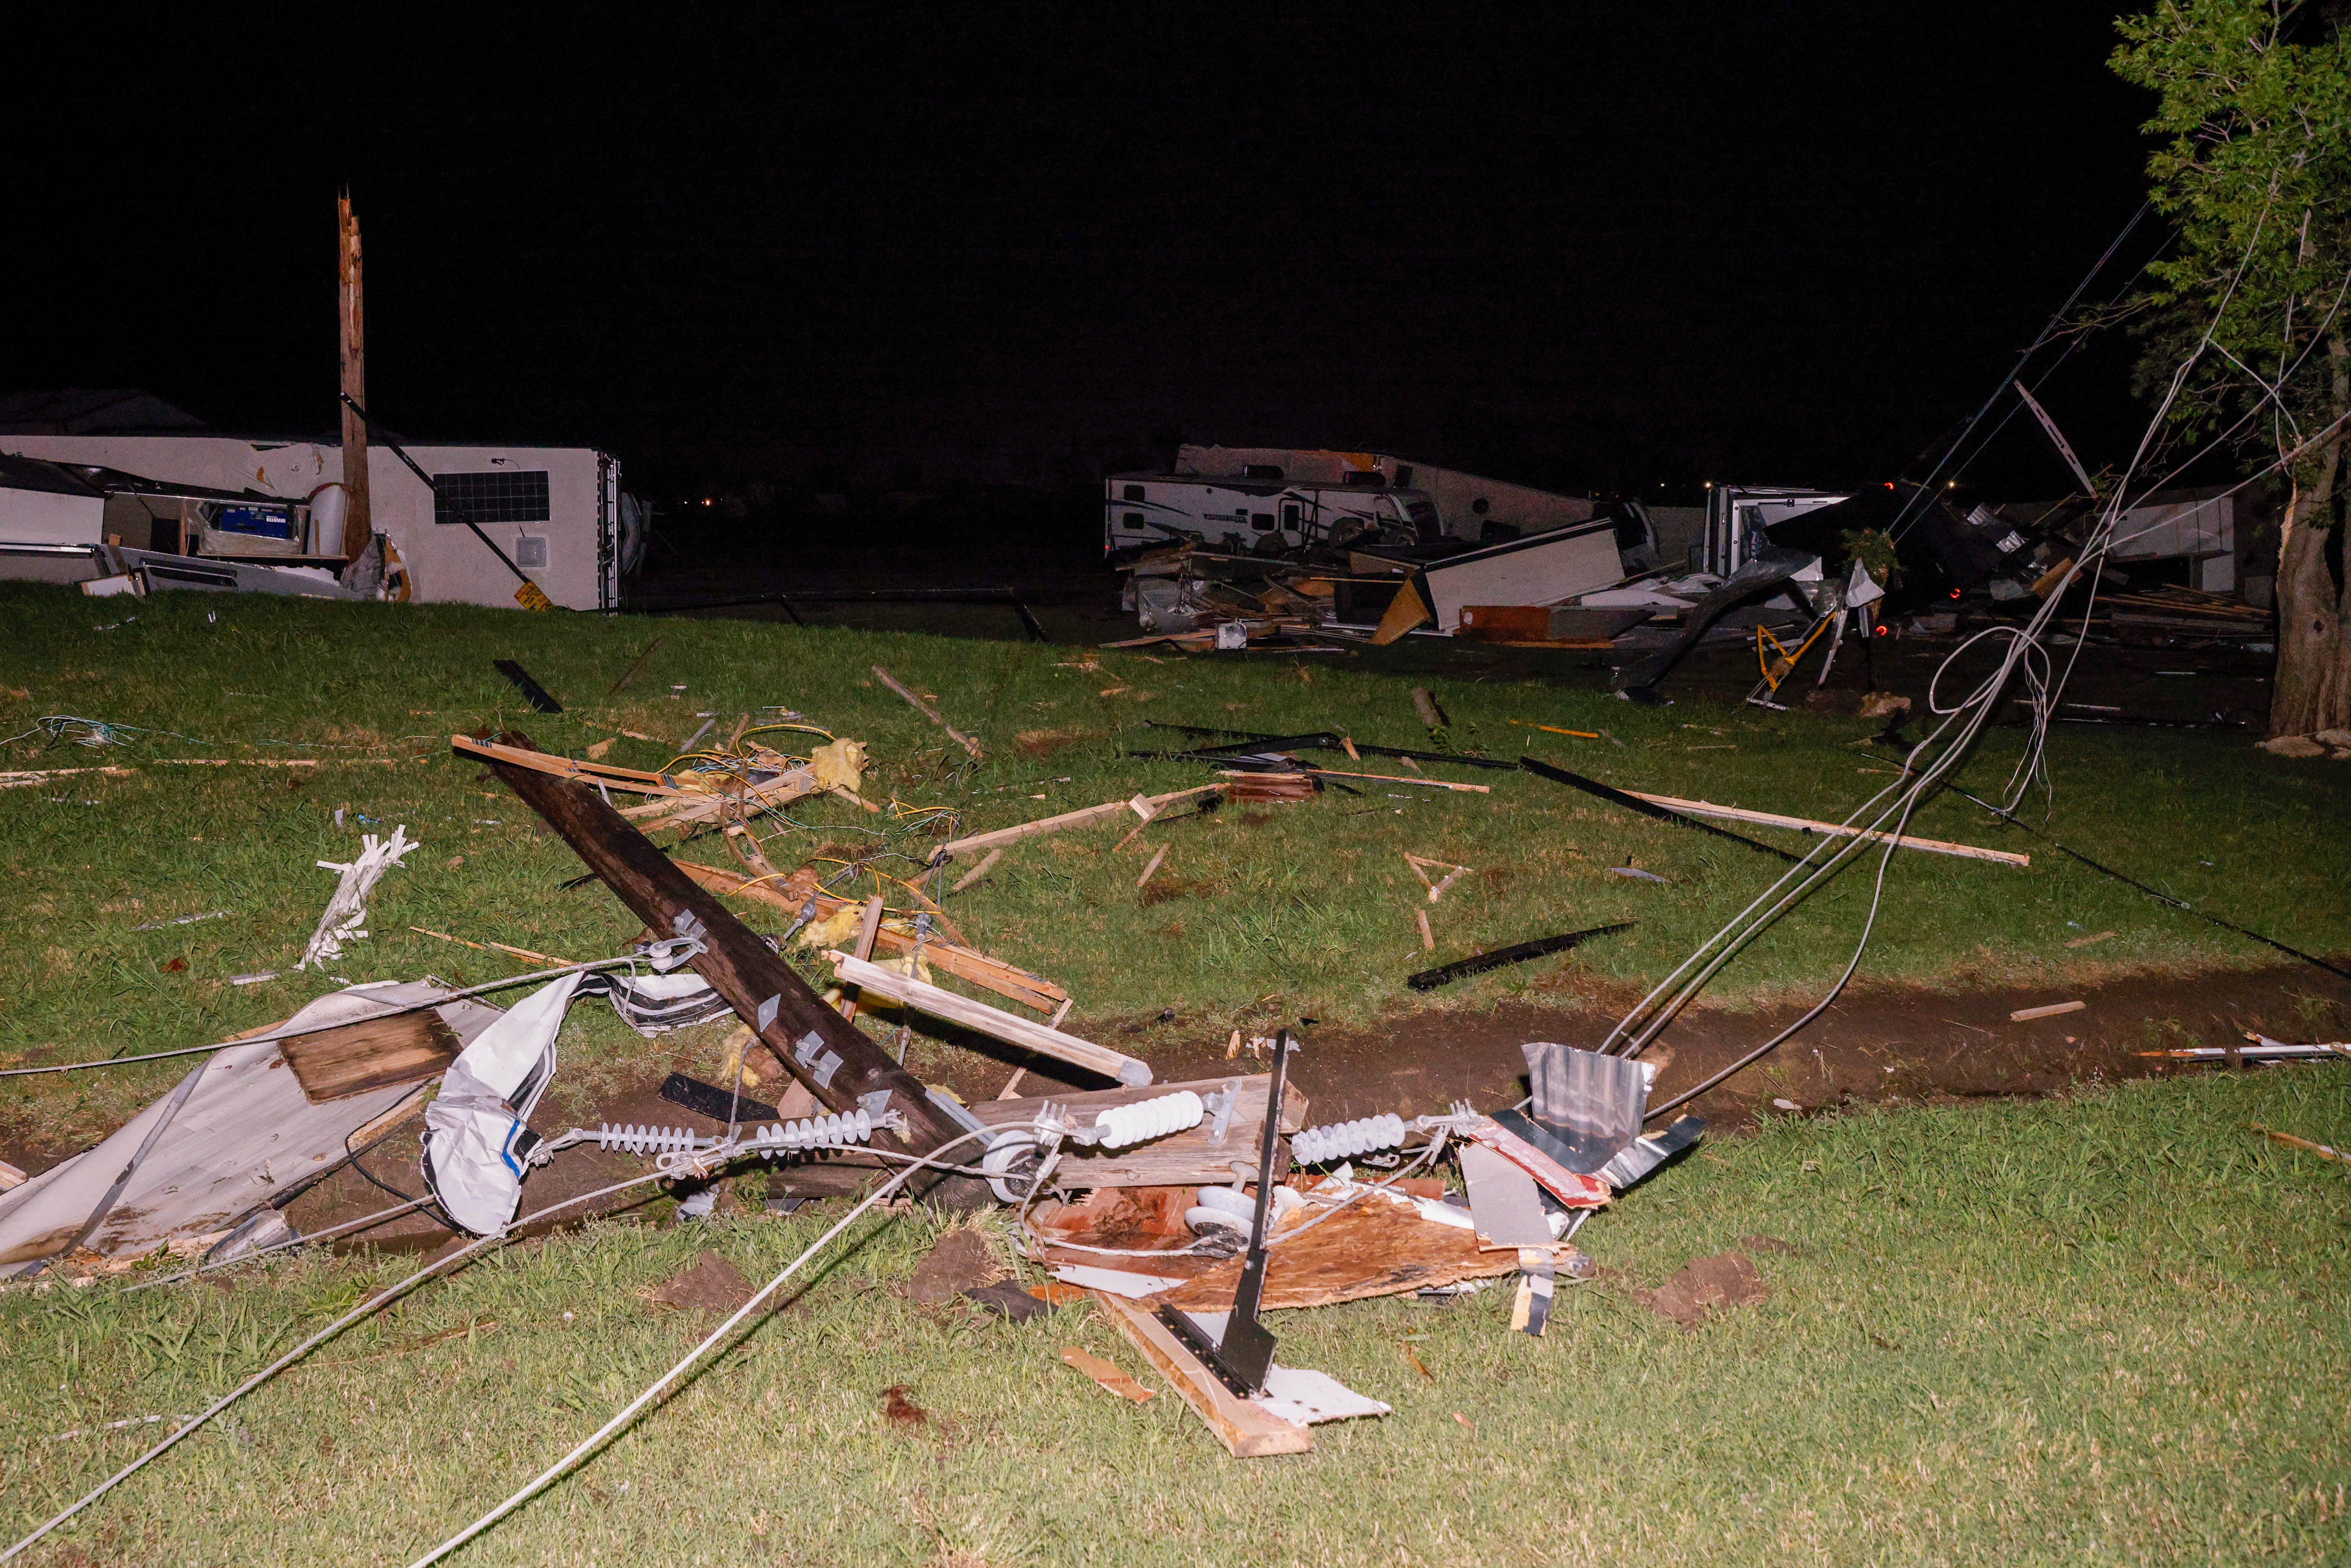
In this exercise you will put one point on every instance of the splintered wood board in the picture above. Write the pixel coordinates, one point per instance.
(1247, 1431)
(1193, 1155)
(336, 1064)
(1377, 1248)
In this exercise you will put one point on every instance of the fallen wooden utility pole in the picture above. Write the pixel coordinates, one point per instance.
(816, 1045)
(1077, 819)
(994, 1023)
(1831, 829)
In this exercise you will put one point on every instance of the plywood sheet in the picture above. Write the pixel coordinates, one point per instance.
(1379, 1247)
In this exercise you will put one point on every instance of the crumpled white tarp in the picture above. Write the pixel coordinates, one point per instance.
(470, 1158)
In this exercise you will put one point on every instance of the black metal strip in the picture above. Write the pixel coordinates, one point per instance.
(1429, 979)
(1647, 808)
(529, 688)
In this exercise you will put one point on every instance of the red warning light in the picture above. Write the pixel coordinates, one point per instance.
(1889, 484)
(1881, 630)
(1955, 594)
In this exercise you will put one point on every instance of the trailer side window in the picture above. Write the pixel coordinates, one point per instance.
(1134, 519)
(495, 497)
(1135, 492)
(1262, 521)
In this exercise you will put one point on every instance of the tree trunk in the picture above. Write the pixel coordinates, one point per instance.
(2313, 689)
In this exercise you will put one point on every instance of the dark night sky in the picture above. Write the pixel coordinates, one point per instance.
(1771, 244)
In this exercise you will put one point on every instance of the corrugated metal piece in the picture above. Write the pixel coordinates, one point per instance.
(1593, 1103)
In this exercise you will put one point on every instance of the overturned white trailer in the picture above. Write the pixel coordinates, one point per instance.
(215, 503)
(1467, 506)
(1249, 514)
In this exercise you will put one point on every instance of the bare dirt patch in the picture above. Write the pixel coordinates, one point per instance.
(1705, 1285)
(712, 1285)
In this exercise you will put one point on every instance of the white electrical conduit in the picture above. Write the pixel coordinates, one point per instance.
(388, 1011)
(1902, 797)
(362, 1223)
(364, 1309)
(628, 1411)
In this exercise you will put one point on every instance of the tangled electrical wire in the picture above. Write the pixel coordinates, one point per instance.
(1886, 816)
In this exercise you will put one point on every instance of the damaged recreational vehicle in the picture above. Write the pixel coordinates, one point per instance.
(191, 507)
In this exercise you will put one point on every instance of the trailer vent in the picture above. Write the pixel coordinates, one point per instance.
(498, 497)
(530, 551)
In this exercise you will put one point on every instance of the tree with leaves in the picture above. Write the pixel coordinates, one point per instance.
(2244, 319)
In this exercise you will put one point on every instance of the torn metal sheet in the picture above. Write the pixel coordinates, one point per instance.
(1504, 1201)
(1117, 1281)
(1590, 1102)
(244, 1136)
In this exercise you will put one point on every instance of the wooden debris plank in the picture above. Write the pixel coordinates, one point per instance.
(352, 1059)
(964, 963)
(1406, 610)
(1077, 819)
(1105, 1374)
(987, 862)
(700, 805)
(927, 711)
(566, 767)
(1392, 778)
(1834, 830)
(1247, 1431)
(2024, 1015)
(994, 1023)
(869, 926)
(1190, 1156)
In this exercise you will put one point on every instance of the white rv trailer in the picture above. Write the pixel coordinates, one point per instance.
(1468, 506)
(1242, 513)
(556, 512)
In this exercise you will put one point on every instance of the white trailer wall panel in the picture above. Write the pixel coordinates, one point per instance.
(48, 517)
(1547, 569)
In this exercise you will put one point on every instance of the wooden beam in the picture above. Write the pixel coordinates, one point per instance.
(1247, 1431)
(964, 963)
(539, 761)
(869, 926)
(994, 1023)
(928, 712)
(1832, 830)
(375, 1053)
(976, 872)
(1077, 819)
(817, 1046)
(350, 316)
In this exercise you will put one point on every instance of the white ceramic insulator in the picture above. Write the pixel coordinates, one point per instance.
(1316, 1146)
(1124, 1125)
(638, 1139)
(834, 1131)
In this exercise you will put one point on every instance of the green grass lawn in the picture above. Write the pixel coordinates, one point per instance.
(1295, 909)
(2103, 1330)
(2107, 1329)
